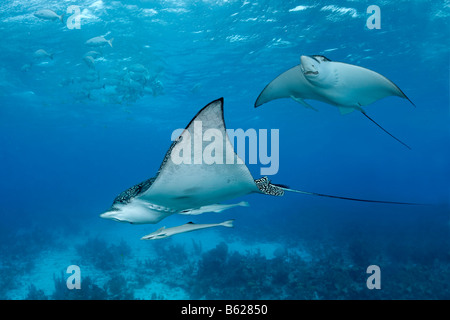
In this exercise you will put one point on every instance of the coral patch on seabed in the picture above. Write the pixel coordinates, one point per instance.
(200, 269)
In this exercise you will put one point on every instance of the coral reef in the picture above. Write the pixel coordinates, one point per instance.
(35, 294)
(18, 252)
(221, 274)
(102, 255)
(311, 269)
(89, 290)
(116, 288)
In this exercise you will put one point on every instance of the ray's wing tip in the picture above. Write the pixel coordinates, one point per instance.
(404, 96)
(414, 105)
(257, 103)
(219, 100)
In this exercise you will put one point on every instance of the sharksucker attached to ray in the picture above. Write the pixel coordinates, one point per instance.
(213, 208)
(194, 188)
(346, 86)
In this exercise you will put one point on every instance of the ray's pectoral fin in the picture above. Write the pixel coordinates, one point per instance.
(283, 86)
(185, 185)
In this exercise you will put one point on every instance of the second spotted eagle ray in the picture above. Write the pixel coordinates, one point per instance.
(346, 86)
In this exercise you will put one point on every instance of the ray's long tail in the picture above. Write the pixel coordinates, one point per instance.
(266, 187)
(365, 114)
(347, 198)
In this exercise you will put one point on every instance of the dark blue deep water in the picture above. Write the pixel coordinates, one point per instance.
(74, 133)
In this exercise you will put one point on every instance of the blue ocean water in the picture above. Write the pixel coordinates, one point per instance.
(75, 133)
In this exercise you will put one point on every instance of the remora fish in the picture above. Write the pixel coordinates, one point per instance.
(214, 208)
(188, 227)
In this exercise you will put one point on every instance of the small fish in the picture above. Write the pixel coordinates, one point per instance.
(90, 62)
(26, 67)
(93, 54)
(48, 14)
(188, 227)
(196, 88)
(214, 208)
(99, 42)
(42, 54)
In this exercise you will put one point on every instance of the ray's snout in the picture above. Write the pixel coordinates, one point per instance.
(304, 59)
(309, 65)
(113, 215)
(107, 215)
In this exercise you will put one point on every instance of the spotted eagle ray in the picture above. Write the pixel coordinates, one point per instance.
(189, 187)
(346, 86)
